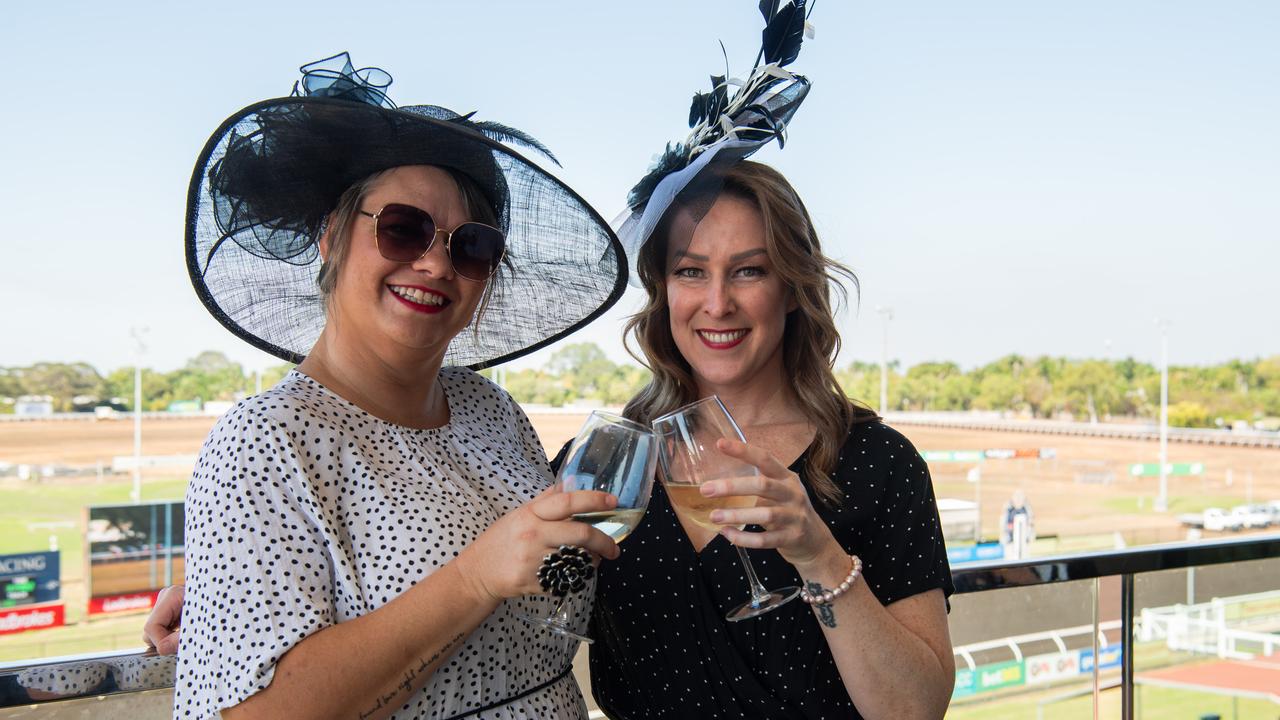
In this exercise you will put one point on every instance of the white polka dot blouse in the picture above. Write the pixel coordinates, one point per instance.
(305, 511)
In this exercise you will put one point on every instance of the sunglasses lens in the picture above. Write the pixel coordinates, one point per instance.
(404, 233)
(476, 250)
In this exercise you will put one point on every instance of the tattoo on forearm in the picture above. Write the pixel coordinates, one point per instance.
(407, 682)
(826, 613)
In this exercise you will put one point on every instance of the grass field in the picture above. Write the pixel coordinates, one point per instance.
(114, 633)
(1074, 699)
(1150, 703)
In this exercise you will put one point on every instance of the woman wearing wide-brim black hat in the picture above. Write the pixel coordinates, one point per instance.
(362, 537)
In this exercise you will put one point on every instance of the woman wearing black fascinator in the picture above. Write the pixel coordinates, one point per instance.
(361, 538)
(841, 512)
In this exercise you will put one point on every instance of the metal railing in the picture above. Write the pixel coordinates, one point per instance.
(45, 680)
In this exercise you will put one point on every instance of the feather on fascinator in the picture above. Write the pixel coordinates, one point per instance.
(729, 123)
(272, 172)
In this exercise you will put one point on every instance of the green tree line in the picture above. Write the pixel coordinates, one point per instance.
(79, 386)
(579, 371)
(1199, 396)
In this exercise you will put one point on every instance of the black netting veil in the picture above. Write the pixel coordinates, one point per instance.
(272, 173)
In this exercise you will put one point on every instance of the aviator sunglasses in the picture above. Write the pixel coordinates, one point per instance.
(404, 234)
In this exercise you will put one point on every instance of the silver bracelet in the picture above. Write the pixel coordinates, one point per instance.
(826, 596)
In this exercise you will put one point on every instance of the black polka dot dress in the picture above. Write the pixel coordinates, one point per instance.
(305, 511)
(663, 648)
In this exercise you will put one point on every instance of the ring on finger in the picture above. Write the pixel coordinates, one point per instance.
(566, 570)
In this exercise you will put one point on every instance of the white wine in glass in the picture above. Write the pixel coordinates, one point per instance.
(617, 523)
(614, 455)
(689, 457)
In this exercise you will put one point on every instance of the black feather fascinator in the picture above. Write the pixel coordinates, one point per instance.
(727, 124)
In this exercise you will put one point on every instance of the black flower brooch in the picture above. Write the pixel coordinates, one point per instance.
(566, 570)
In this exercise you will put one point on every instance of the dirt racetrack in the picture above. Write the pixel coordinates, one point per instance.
(1085, 489)
(134, 576)
(86, 442)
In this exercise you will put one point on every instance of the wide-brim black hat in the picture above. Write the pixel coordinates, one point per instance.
(271, 173)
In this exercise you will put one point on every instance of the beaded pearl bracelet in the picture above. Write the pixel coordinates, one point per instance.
(825, 597)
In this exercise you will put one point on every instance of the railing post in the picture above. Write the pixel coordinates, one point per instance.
(1097, 650)
(1126, 646)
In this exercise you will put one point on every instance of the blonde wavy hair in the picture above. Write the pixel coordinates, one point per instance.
(810, 341)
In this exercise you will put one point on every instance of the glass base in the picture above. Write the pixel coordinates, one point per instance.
(767, 603)
(557, 627)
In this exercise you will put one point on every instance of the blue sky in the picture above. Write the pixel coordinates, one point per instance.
(1007, 176)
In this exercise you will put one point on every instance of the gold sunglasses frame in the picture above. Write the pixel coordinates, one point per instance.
(448, 240)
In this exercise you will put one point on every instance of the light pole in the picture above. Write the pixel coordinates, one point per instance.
(1162, 500)
(886, 314)
(141, 348)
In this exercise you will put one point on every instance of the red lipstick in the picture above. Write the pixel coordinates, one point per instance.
(421, 307)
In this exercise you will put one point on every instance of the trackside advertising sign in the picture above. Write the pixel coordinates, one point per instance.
(986, 678)
(1108, 657)
(29, 579)
(133, 552)
(1052, 666)
(133, 602)
(1034, 670)
(35, 617)
(30, 587)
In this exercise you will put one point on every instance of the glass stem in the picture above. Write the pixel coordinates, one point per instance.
(758, 592)
(560, 616)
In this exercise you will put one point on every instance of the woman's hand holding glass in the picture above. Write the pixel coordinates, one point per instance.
(692, 457)
(613, 455)
(503, 561)
(781, 506)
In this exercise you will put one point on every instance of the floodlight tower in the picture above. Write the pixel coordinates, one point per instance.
(1162, 500)
(140, 349)
(886, 314)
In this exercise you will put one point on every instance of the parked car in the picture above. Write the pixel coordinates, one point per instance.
(1195, 520)
(1252, 516)
(1218, 520)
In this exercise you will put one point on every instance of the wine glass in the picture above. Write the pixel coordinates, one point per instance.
(614, 455)
(689, 457)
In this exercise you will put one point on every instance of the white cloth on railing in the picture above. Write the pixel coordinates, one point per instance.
(72, 679)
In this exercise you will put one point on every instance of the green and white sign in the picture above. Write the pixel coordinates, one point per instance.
(1001, 675)
(985, 678)
(1175, 469)
(966, 683)
(966, 456)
